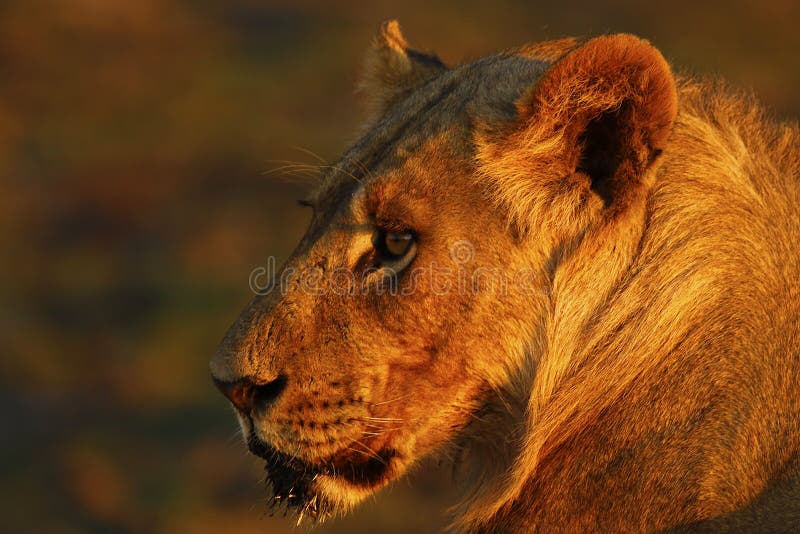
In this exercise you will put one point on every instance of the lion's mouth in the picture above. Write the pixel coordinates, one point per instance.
(292, 479)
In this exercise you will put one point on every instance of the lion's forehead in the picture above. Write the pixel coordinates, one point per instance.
(448, 108)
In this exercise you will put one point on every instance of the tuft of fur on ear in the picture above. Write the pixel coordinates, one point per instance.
(550, 51)
(391, 68)
(586, 135)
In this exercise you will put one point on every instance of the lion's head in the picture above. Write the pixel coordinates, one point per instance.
(411, 317)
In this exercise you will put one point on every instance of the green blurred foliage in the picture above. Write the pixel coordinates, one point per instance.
(136, 143)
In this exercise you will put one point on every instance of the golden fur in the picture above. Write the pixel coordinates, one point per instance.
(650, 379)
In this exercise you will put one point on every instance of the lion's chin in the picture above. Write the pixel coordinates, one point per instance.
(324, 489)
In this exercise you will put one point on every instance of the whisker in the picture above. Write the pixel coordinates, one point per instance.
(316, 168)
(401, 397)
(372, 453)
(343, 171)
(236, 436)
(360, 165)
(291, 167)
(309, 152)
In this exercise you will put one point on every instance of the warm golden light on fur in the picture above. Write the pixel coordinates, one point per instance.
(600, 317)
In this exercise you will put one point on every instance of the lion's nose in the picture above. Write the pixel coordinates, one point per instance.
(248, 396)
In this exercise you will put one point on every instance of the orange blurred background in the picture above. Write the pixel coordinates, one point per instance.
(136, 143)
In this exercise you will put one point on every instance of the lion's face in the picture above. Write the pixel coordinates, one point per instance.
(373, 348)
(415, 294)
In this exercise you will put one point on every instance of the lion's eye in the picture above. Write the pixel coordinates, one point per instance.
(395, 250)
(397, 244)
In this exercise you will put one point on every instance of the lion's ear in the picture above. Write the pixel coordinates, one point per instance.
(588, 130)
(391, 68)
(613, 102)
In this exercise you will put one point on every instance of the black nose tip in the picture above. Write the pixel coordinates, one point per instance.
(248, 396)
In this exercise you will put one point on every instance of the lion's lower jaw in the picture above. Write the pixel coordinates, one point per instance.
(341, 495)
(327, 495)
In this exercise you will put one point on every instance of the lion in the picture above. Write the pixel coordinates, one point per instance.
(564, 266)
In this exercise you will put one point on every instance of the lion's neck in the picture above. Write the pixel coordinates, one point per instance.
(659, 316)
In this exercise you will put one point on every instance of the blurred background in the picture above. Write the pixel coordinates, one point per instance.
(137, 140)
